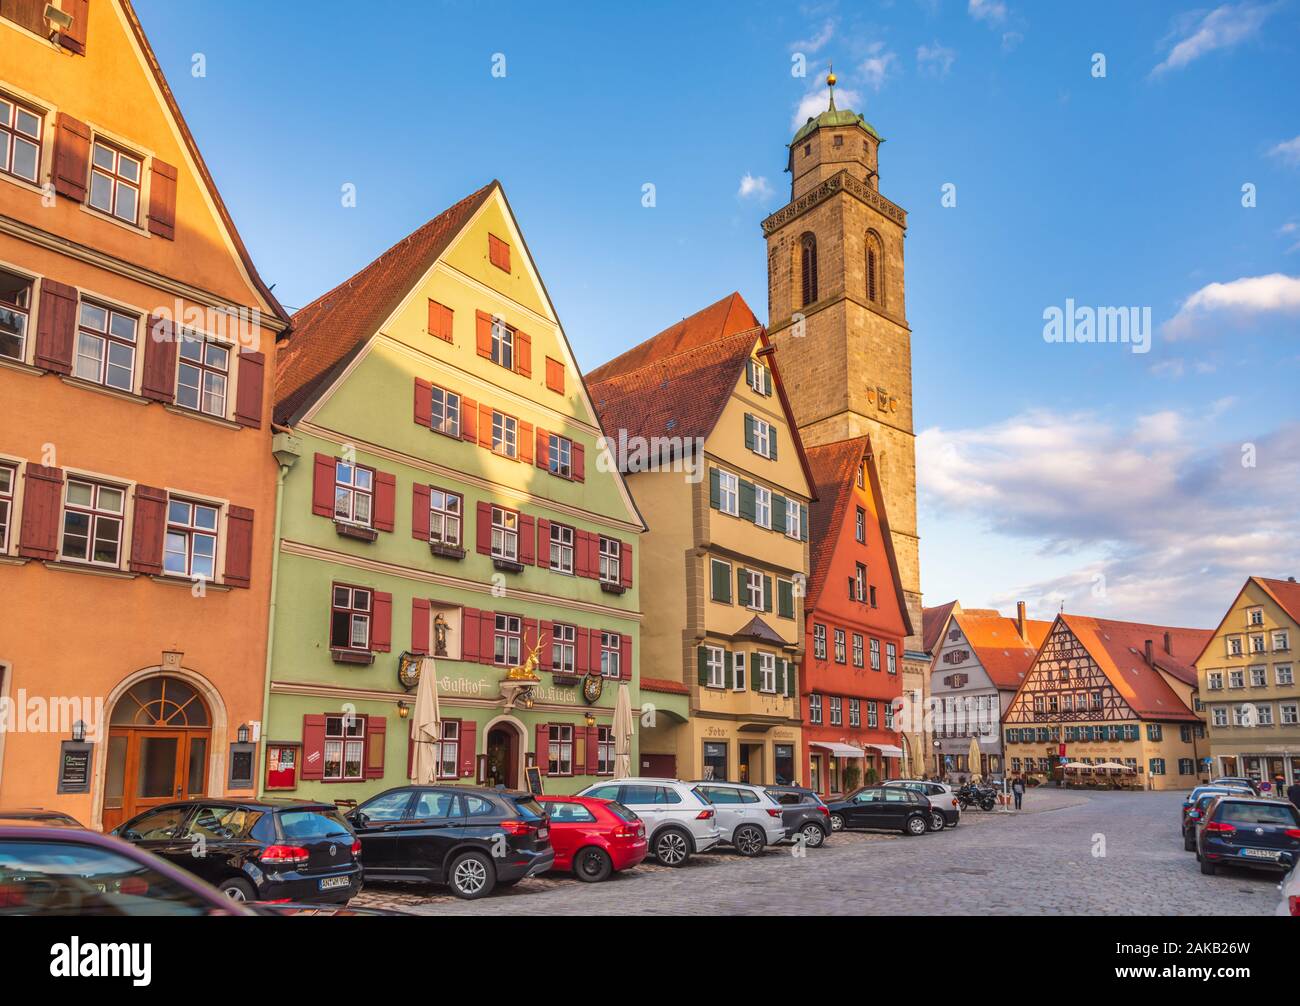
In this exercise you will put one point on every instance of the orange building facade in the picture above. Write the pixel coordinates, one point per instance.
(137, 482)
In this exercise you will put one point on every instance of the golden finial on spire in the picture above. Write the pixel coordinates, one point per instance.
(830, 82)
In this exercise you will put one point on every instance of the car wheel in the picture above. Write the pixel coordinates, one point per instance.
(592, 865)
(672, 848)
(937, 823)
(471, 876)
(237, 889)
(917, 825)
(1189, 843)
(837, 822)
(748, 840)
(1207, 867)
(813, 835)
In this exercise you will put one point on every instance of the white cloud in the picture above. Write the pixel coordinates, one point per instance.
(1166, 521)
(878, 65)
(993, 11)
(818, 40)
(936, 59)
(1288, 151)
(1011, 39)
(754, 188)
(815, 102)
(1236, 301)
(1221, 28)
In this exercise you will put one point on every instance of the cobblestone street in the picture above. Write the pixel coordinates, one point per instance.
(1039, 862)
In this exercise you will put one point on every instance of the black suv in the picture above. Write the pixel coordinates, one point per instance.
(803, 814)
(469, 838)
(255, 850)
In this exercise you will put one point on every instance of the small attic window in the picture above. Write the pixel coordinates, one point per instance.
(839, 140)
(807, 149)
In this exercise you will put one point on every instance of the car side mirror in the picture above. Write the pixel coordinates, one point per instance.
(358, 819)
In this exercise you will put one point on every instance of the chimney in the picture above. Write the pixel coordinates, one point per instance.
(1020, 621)
(1169, 642)
(1150, 654)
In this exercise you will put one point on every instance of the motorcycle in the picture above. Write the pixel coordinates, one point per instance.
(972, 795)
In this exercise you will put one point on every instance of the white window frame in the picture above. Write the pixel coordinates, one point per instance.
(611, 654)
(214, 362)
(505, 435)
(891, 658)
(753, 590)
(874, 649)
(186, 529)
(449, 750)
(837, 711)
(793, 520)
(1283, 674)
(1258, 676)
(1281, 640)
(559, 749)
(354, 485)
(507, 640)
(1214, 681)
(855, 712)
(102, 369)
(819, 641)
(763, 506)
(740, 671)
(446, 523)
(611, 560)
(766, 672)
(11, 135)
(859, 651)
(359, 615)
(444, 408)
(96, 515)
(715, 661)
(559, 456)
(841, 647)
(760, 378)
(116, 179)
(561, 548)
(8, 496)
(348, 736)
(564, 648)
(763, 436)
(729, 493)
(503, 344)
(505, 534)
(1290, 713)
(814, 708)
(1219, 716)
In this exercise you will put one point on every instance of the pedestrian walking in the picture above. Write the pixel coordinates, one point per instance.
(1018, 788)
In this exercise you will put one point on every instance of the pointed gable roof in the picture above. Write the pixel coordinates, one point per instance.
(933, 622)
(758, 629)
(1005, 656)
(333, 328)
(1285, 592)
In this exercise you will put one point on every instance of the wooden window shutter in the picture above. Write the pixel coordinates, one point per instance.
(248, 400)
(42, 512)
(749, 432)
(56, 327)
(523, 354)
(593, 749)
(487, 625)
(526, 442)
(468, 748)
(420, 512)
(543, 448)
(158, 381)
(423, 403)
(484, 426)
(582, 651)
(483, 333)
(71, 157)
(767, 592)
(546, 655)
(555, 375)
(148, 526)
(468, 419)
(625, 565)
(527, 539)
(702, 665)
(715, 488)
(313, 747)
(543, 542)
(580, 554)
(440, 317)
(419, 625)
(322, 489)
(376, 741)
(385, 500)
(381, 622)
(469, 633)
(239, 546)
(74, 38)
(593, 556)
(593, 641)
(625, 658)
(498, 252)
(542, 747)
(484, 543)
(742, 586)
(578, 458)
(747, 508)
(162, 200)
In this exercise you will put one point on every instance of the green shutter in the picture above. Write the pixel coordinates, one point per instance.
(747, 500)
(767, 381)
(771, 444)
(749, 372)
(778, 513)
(703, 659)
(767, 592)
(749, 432)
(715, 488)
(785, 598)
(742, 594)
(803, 522)
(721, 576)
(728, 670)
(789, 679)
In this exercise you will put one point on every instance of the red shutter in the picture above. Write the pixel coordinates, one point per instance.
(531, 629)
(423, 403)
(593, 661)
(546, 632)
(483, 333)
(376, 741)
(527, 539)
(543, 543)
(543, 746)
(419, 625)
(593, 555)
(468, 419)
(555, 375)
(71, 157)
(248, 400)
(579, 462)
(593, 749)
(56, 326)
(523, 354)
(381, 622)
(468, 748)
(313, 747)
(469, 620)
(484, 426)
(322, 487)
(440, 321)
(42, 510)
(543, 448)
(420, 512)
(625, 565)
(73, 38)
(625, 658)
(147, 530)
(385, 500)
(484, 544)
(158, 380)
(239, 546)
(526, 443)
(580, 553)
(162, 200)
(582, 651)
(487, 624)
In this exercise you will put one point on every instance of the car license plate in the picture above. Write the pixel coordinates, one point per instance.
(332, 883)
(543, 832)
(1262, 853)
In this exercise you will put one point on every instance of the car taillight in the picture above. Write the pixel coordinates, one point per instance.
(954, 801)
(1293, 833)
(1220, 828)
(1293, 904)
(285, 855)
(516, 827)
(773, 811)
(626, 831)
(705, 814)
(824, 810)
(356, 847)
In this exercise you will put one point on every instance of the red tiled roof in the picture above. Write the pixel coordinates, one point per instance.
(1285, 592)
(932, 621)
(329, 331)
(660, 685)
(1119, 649)
(996, 640)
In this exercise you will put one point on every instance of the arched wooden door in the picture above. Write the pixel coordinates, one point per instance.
(159, 739)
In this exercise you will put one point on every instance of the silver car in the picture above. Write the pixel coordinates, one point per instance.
(1290, 887)
(748, 818)
(678, 821)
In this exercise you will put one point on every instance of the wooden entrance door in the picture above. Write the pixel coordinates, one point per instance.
(503, 757)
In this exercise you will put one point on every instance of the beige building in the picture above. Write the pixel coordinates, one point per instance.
(1248, 683)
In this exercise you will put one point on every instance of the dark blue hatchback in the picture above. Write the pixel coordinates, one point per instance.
(1255, 833)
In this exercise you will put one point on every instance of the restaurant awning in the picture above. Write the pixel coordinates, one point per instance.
(837, 749)
(888, 750)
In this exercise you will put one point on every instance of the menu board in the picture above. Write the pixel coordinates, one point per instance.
(74, 767)
(281, 766)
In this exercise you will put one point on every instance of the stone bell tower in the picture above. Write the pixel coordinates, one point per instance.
(836, 313)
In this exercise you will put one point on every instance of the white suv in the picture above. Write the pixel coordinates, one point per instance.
(748, 818)
(678, 821)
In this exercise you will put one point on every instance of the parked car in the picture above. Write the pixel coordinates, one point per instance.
(1244, 831)
(680, 821)
(255, 850)
(1195, 795)
(946, 812)
(57, 870)
(452, 835)
(1236, 780)
(748, 818)
(1290, 903)
(594, 838)
(1192, 816)
(49, 818)
(882, 808)
(803, 813)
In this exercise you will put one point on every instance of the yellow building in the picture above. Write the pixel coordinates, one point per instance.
(1248, 683)
(699, 424)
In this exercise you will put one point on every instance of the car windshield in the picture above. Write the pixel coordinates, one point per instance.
(1241, 812)
(618, 810)
(309, 824)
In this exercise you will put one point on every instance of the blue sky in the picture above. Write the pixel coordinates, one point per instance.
(1142, 486)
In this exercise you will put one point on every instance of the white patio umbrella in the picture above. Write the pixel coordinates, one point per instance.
(623, 733)
(426, 728)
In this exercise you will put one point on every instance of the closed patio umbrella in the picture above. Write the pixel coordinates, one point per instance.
(623, 733)
(426, 730)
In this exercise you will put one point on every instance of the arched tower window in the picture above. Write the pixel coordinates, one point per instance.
(875, 269)
(808, 267)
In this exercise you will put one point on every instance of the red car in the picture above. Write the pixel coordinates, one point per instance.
(594, 837)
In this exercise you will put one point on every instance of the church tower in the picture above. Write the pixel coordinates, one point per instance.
(836, 314)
